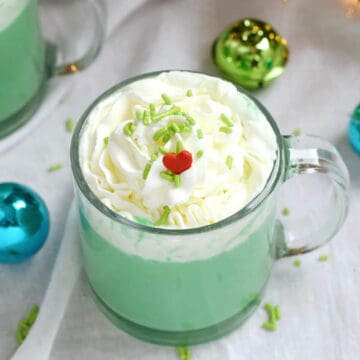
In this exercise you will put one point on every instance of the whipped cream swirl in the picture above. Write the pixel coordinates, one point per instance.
(232, 145)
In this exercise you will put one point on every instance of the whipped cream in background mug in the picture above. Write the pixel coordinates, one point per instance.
(176, 179)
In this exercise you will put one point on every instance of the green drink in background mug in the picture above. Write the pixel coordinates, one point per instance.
(27, 61)
(182, 286)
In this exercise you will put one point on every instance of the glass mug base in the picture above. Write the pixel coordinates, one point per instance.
(178, 338)
(178, 303)
(22, 116)
(198, 336)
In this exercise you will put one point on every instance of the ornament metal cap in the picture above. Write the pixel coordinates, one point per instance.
(250, 53)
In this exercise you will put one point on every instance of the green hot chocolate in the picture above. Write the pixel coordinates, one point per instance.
(22, 55)
(170, 159)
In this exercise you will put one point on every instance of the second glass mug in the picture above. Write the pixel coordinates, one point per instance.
(27, 60)
(172, 298)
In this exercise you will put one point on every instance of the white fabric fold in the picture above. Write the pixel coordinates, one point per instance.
(38, 343)
(55, 89)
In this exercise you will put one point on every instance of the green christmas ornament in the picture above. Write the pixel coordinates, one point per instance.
(251, 53)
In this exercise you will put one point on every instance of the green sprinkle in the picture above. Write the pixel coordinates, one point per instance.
(229, 162)
(154, 156)
(176, 110)
(159, 133)
(323, 257)
(188, 118)
(146, 118)
(146, 171)
(226, 120)
(166, 138)
(225, 130)
(179, 146)
(177, 180)
(274, 314)
(184, 353)
(199, 154)
(166, 99)
(152, 110)
(189, 93)
(129, 129)
(55, 167)
(166, 176)
(173, 111)
(269, 326)
(164, 217)
(199, 134)
(69, 125)
(24, 327)
(187, 128)
(181, 126)
(32, 315)
(106, 140)
(271, 313)
(169, 172)
(175, 128)
(20, 337)
(285, 211)
(139, 115)
(277, 312)
(171, 131)
(164, 151)
(297, 262)
(297, 132)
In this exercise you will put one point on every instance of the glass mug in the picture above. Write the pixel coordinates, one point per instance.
(27, 61)
(148, 288)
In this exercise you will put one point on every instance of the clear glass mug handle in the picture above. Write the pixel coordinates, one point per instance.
(74, 31)
(322, 189)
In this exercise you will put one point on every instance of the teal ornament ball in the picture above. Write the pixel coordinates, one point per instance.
(24, 223)
(250, 53)
(354, 129)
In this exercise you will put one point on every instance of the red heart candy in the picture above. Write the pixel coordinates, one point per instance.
(178, 163)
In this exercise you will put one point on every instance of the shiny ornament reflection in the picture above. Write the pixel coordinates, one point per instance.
(354, 129)
(351, 8)
(251, 53)
(24, 222)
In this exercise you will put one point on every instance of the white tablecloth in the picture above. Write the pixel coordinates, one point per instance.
(319, 89)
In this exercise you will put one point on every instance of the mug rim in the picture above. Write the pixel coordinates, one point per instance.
(253, 204)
